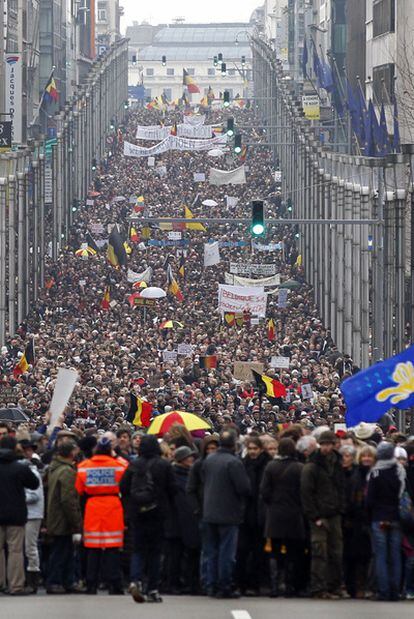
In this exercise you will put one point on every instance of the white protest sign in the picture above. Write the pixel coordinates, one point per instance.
(174, 235)
(65, 384)
(211, 254)
(151, 162)
(96, 228)
(242, 299)
(185, 349)
(307, 393)
(169, 356)
(90, 202)
(282, 297)
(280, 362)
(199, 177)
(237, 268)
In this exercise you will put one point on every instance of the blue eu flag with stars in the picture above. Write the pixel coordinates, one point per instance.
(372, 392)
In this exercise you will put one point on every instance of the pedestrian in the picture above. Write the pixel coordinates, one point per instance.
(98, 480)
(385, 487)
(323, 500)
(285, 525)
(226, 488)
(63, 519)
(35, 502)
(149, 487)
(15, 477)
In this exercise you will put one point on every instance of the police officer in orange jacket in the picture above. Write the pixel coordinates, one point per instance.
(98, 480)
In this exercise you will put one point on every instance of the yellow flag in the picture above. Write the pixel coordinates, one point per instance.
(298, 262)
(196, 226)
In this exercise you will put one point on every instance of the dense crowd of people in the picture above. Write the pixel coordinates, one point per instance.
(278, 497)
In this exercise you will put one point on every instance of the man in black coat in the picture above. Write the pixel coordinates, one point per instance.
(226, 486)
(15, 477)
(148, 521)
(323, 501)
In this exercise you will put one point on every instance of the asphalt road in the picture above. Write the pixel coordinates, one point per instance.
(108, 607)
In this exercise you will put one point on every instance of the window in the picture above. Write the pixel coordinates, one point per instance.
(101, 14)
(383, 82)
(211, 72)
(191, 71)
(170, 72)
(149, 72)
(384, 17)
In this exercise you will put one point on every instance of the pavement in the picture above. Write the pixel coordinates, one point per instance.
(110, 607)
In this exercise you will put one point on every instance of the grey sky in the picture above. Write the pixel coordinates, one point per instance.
(195, 11)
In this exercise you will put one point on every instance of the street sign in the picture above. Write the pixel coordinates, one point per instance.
(5, 135)
(311, 107)
(48, 184)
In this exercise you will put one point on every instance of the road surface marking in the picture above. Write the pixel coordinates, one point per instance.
(240, 614)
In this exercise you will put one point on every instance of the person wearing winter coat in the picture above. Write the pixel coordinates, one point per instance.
(15, 478)
(35, 502)
(285, 525)
(226, 488)
(386, 485)
(251, 532)
(63, 520)
(323, 501)
(148, 487)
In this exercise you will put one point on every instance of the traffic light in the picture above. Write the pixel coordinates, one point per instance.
(230, 127)
(226, 98)
(243, 60)
(215, 61)
(238, 144)
(126, 105)
(220, 57)
(112, 125)
(94, 165)
(223, 69)
(258, 223)
(163, 60)
(134, 59)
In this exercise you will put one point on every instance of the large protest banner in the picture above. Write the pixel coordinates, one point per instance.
(227, 177)
(248, 269)
(240, 299)
(235, 280)
(173, 142)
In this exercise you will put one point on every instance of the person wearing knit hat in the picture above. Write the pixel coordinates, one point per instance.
(386, 484)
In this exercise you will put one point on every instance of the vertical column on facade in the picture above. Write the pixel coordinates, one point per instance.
(319, 236)
(35, 230)
(3, 208)
(59, 188)
(333, 256)
(340, 284)
(307, 204)
(328, 266)
(12, 256)
(41, 202)
(348, 271)
(312, 228)
(389, 273)
(365, 333)
(356, 276)
(55, 168)
(400, 196)
(28, 244)
(21, 237)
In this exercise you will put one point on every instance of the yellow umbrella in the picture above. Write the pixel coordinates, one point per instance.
(84, 252)
(162, 423)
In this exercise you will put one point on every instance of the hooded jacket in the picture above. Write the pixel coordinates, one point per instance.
(323, 486)
(15, 477)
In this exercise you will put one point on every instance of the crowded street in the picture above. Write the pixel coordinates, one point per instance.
(204, 450)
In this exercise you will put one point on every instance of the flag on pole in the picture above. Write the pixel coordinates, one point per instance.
(133, 235)
(91, 242)
(208, 362)
(51, 92)
(305, 58)
(174, 129)
(189, 82)
(271, 332)
(195, 226)
(27, 359)
(396, 137)
(116, 252)
(173, 287)
(181, 266)
(140, 412)
(271, 387)
(370, 393)
(105, 303)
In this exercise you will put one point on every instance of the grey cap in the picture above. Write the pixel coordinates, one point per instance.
(182, 453)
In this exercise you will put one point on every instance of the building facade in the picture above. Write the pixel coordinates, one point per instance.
(108, 27)
(193, 47)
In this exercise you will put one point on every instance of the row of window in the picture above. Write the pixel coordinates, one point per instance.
(210, 71)
(383, 17)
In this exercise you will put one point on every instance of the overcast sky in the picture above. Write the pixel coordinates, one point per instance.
(194, 11)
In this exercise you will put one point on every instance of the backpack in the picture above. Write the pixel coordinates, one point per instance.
(143, 489)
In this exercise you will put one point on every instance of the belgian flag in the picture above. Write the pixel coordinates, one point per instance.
(91, 242)
(173, 286)
(272, 388)
(208, 363)
(195, 226)
(106, 300)
(174, 130)
(116, 253)
(140, 412)
(189, 82)
(181, 266)
(271, 332)
(28, 358)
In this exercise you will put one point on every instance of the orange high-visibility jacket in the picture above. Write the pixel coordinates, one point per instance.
(98, 478)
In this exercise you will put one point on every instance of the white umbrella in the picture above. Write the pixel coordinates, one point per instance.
(153, 292)
(209, 203)
(215, 152)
